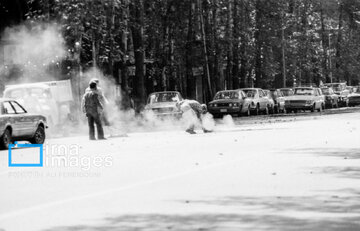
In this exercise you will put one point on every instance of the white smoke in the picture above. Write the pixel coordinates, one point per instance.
(33, 48)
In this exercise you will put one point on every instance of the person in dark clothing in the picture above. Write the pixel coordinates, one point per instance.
(90, 106)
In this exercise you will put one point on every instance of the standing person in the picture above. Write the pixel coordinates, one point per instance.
(90, 106)
(193, 112)
(103, 101)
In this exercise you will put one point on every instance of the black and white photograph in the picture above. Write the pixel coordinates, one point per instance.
(179, 115)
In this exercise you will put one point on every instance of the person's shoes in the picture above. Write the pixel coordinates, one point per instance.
(92, 138)
(102, 138)
(206, 131)
(190, 131)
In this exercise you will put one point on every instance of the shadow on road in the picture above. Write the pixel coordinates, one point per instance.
(254, 213)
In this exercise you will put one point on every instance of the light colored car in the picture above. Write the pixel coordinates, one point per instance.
(305, 98)
(259, 101)
(164, 103)
(229, 102)
(17, 124)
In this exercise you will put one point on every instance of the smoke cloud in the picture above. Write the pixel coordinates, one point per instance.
(33, 47)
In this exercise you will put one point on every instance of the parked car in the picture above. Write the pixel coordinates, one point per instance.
(287, 91)
(305, 98)
(229, 102)
(259, 102)
(17, 124)
(331, 99)
(341, 90)
(271, 101)
(354, 98)
(279, 100)
(164, 103)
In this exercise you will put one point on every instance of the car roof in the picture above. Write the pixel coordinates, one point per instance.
(6, 99)
(158, 92)
(305, 88)
(229, 90)
(249, 88)
(28, 85)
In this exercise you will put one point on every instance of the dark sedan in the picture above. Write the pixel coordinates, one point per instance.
(17, 124)
(229, 102)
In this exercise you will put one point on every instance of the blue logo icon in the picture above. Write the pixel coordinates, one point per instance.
(16, 145)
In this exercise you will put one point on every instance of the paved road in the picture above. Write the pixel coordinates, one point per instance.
(268, 174)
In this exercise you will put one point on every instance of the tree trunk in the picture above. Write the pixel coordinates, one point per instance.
(138, 43)
(338, 43)
(258, 44)
(229, 35)
(203, 35)
(190, 80)
(236, 40)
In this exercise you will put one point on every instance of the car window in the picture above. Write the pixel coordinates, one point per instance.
(7, 108)
(227, 95)
(304, 91)
(242, 95)
(19, 109)
(14, 94)
(250, 93)
(261, 93)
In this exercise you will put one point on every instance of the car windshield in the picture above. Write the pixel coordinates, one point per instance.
(164, 97)
(326, 91)
(226, 95)
(250, 93)
(287, 92)
(304, 91)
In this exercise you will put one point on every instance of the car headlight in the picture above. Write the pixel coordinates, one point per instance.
(230, 104)
(215, 105)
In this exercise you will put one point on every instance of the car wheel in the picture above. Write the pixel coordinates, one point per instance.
(39, 136)
(313, 108)
(5, 139)
(272, 110)
(266, 112)
(248, 112)
(257, 110)
(320, 108)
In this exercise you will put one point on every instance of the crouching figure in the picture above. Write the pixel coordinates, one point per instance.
(193, 113)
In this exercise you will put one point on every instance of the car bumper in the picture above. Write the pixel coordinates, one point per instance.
(298, 107)
(224, 110)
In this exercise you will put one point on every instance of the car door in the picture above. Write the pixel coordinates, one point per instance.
(25, 120)
(15, 119)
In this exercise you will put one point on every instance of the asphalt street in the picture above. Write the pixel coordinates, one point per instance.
(290, 172)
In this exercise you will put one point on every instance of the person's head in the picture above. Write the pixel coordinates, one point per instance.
(97, 81)
(204, 108)
(92, 85)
